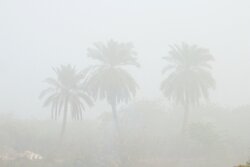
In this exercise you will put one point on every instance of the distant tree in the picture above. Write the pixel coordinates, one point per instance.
(189, 78)
(65, 94)
(109, 80)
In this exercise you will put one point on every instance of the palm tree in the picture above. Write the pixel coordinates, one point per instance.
(189, 78)
(66, 93)
(109, 80)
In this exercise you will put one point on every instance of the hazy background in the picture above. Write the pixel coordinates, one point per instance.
(36, 35)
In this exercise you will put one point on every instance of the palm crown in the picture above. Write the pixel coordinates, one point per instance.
(66, 93)
(113, 53)
(109, 79)
(189, 77)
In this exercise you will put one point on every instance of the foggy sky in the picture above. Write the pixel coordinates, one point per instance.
(37, 35)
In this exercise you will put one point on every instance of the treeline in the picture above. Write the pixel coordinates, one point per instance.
(187, 80)
(149, 136)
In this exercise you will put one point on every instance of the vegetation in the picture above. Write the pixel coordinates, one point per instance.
(149, 138)
(66, 93)
(246, 165)
(109, 80)
(189, 77)
(149, 128)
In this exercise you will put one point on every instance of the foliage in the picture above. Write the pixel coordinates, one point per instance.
(246, 165)
(66, 93)
(189, 78)
(109, 80)
(147, 139)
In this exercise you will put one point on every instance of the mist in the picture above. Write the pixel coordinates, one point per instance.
(122, 109)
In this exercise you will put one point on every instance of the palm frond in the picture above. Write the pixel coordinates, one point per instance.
(189, 79)
(68, 85)
(114, 84)
(113, 53)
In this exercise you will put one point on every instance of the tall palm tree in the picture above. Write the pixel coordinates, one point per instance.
(189, 78)
(109, 80)
(66, 94)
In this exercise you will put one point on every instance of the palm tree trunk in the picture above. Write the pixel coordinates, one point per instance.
(116, 122)
(117, 142)
(185, 119)
(65, 113)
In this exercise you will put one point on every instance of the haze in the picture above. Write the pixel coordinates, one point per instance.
(36, 36)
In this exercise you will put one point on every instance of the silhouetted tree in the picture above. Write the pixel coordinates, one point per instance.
(109, 80)
(66, 93)
(189, 77)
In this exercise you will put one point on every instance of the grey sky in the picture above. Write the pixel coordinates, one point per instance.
(36, 35)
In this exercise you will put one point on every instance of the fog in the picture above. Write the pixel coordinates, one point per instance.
(149, 128)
